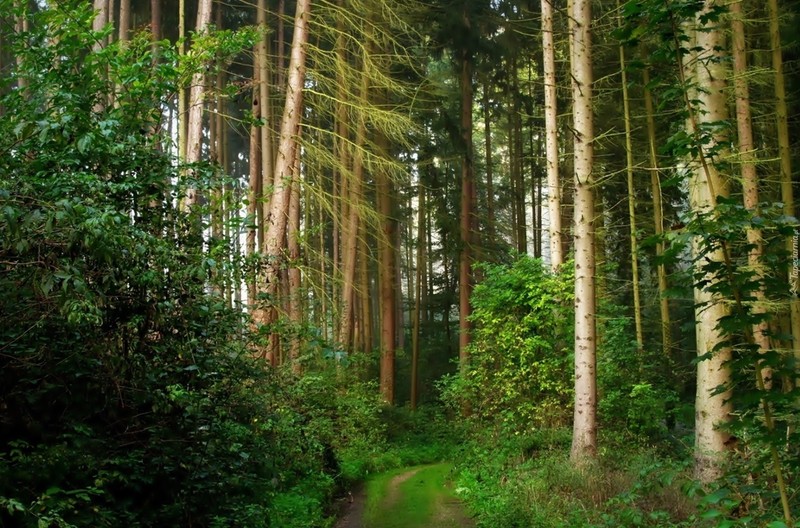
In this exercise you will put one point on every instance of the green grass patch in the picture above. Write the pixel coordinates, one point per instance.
(410, 503)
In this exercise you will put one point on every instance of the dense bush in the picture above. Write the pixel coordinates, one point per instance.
(636, 398)
(520, 357)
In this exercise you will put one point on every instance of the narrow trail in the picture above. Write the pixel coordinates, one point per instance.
(419, 497)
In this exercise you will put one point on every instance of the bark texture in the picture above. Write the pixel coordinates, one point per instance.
(706, 183)
(584, 434)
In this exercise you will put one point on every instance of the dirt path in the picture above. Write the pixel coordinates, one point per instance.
(419, 497)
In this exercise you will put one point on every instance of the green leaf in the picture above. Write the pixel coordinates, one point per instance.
(84, 142)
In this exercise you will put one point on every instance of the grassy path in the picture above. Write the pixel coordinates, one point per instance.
(418, 497)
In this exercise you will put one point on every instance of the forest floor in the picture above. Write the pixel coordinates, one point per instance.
(418, 497)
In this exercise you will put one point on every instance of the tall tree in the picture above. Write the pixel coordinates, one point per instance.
(387, 260)
(747, 159)
(551, 137)
(265, 105)
(467, 221)
(785, 157)
(629, 169)
(294, 273)
(277, 222)
(420, 271)
(584, 433)
(706, 183)
(194, 125)
(352, 221)
(181, 119)
(658, 217)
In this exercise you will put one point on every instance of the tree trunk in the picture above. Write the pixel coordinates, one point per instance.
(155, 24)
(194, 132)
(388, 295)
(551, 137)
(100, 21)
(265, 108)
(747, 159)
(253, 197)
(124, 20)
(515, 158)
(785, 156)
(293, 247)
(706, 183)
(658, 220)
(584, 434)
(352, 220)
(21, 25)
(277, 222)
(415, 336)
(626, 108)
(467, 205)
(487, 138)
(181, 89)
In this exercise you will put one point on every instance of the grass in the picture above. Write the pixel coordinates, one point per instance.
(412, 503)
(534, 483)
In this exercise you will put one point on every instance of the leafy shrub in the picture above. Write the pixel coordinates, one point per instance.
(520, 366)
(635, 397)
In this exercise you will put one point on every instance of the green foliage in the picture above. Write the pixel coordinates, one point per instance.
(127, 391)
(635, 397)
(764, 423)
(529, 481)
(519, 374)
(757, 486)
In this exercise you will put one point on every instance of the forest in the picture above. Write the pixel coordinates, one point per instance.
(399, 263)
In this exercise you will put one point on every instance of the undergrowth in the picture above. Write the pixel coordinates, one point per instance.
(530, 481)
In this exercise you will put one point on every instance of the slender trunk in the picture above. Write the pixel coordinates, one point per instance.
(584, 435)
(747, 159)
(216, 139)
(487, 138)
(100, 21)
(467, 207)
(429, 262)
(538, 203)
(194, 132)
(551, 137)
(388, 295)
(785, 156)
(415, 336)
(281, 44)
(253, 196)
(341, 172)
(293, 247)
(350, 243)
(111, 9)
(21, 25)
(364, 301)
(323, 274)
(626, 108)
(516, 159)
(155, 24)
(409, 254)
(658, 219)
(265, 107)
(181, 89)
